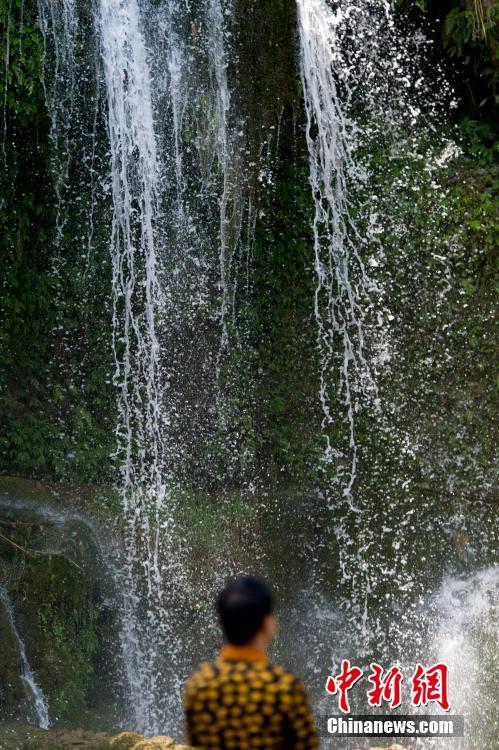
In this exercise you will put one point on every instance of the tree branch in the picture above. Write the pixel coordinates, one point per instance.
(32, 552)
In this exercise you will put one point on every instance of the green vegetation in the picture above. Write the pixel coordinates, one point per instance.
(468, 32)
(471, 31)
(445, 372)
(57, 592)
(66, 623)
(26, 232)
(56, 408)
(288, 412)
(57, 397)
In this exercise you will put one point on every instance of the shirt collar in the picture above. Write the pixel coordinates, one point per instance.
(242, 653)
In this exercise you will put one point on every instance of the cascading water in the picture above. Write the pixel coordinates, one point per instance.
(218, 62)
(358, 85)
(175, 190)
(39, 700)
(347, 297)
(137, 300)
(355, 75)
(152, 244)
(343, 286)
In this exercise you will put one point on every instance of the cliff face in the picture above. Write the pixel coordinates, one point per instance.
(58, 398)
(255, 434)
(57, 615)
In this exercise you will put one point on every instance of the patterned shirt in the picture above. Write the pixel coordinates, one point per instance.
(242, 702)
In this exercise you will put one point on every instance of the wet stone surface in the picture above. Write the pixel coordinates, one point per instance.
(17, 736)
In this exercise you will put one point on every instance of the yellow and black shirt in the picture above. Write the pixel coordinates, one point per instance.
(242, 702)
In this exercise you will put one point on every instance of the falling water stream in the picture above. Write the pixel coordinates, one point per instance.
(343, 285)
(39, 700)
(134, 180)
(142, 304)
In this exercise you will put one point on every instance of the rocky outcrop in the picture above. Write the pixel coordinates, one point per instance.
(17, 736)
(125, 740)
(56, 573)
(157, 743)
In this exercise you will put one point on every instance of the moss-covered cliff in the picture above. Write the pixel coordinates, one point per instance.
(56, 359)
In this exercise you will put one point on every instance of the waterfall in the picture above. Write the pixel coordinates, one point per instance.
(179, 168)
(343, 287)
(134, 177)
(158, 261)
(40, 704)
(357, 78)
(344, 290)
(218, 63)
(135, 171)
(60, 27)
(161, 165)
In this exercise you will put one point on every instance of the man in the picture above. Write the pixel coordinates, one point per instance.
(241, 701)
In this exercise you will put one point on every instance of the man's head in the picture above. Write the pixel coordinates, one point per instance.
(245, 608)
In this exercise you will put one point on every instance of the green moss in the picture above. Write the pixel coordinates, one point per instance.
(57, 586)
(440, 279)
(55, 394)
(63, 616)
(57, 398)
(288, 415)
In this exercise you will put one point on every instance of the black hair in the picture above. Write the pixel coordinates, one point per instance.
(242, 607)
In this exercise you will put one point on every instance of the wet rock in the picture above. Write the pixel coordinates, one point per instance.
(162, 742)
(19, 736)
(63, 600)
(14, 701)
(78, 738)
(125, 740)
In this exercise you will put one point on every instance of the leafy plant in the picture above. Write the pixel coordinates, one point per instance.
(471, 32)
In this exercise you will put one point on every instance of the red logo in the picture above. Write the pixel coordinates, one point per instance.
(343, 682)
(387, 687)
(427, 685)
(430, 685)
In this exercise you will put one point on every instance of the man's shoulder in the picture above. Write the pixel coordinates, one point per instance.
(274, 677)
(264, 673)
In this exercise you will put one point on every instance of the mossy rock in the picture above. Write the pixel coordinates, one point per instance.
(63, 740)
(19, 736)
(25, 489)
(125, 740)
(162, 742)
(14, 702)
